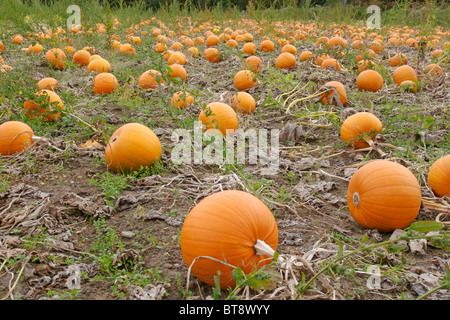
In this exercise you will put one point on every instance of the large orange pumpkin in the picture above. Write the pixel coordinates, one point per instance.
(220, 116)
(285, 60)
(398, 60)
(384, 195)
(439, 176)
(131, 147)
(178, 71)
(98, 65)
(212, 54)
(81, 57)
(15, 136)
(253, 63)
(369, 80)
(105, 83)
(403, 73)
(44, 106)
(56, 58)
(340, 89)
(243, 102)
(47, 83)
(359, 127)
(267, 45)
(150, 79)
(244, 80)
(226, 226)
(177, 57)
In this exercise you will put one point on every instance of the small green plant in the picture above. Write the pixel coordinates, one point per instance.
(111, 184)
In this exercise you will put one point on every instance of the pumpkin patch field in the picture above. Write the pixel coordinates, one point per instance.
(117, 122)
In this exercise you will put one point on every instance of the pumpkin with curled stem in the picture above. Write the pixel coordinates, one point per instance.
(439, 176)
(384, 195)
(15, 136)
(131, 147)
(358, 129)
(224, 231)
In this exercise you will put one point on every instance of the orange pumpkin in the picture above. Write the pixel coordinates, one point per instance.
(131, 147)
(366, 65)
(44, 106)
(403, 73)
(253, 63)
(398, 60)
(320, 59)
(289, 48)
(243, 102)
(359, 128)
(212, 40)
(285, 60)
(433, 70)
(56, 58)
(47, 83)
(369, 80)
(439, 176)
(244, 79)
(150, 79)
(219, 116)
(305, 56)
(181, 99)
(212, 54)
(81, 57)
(178, 71)
(340, 89)
(337, 42)
(35, 49)
(17, 39)
(267, 45)
(330, 62)
(98, 65)
(105, 83)
(177, 57)
(409, 85)
(226, 226)
(249, 48)
(127, 48)
(15, 136)
(384, 195)
(160, 48)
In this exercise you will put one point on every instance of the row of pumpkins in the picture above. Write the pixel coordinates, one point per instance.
(382, 194)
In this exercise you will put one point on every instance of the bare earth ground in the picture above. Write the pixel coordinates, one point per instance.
(56, 197)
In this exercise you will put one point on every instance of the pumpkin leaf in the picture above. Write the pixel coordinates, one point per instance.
(426, 226)
(238, 276)
(216, 291)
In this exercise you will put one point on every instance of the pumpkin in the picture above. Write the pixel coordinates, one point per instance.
(369, 80)
(178, 71)
(177, 46)
(320, 59)
(212, 40)
(330, 62)
(47, 83)
(439, 176)
(56, 58)
(150, 79)
(181, 99)
(305, 56)
(15, 136)
(384, 195)
(232, 43)
(211, 54)
(17, 39)
(81, 57)
(105, 83)
(193, 51)
(253, 63)
(357, 129)
(366, 65)
(131, 147)
(243, 102)
(98, 65)
(249, 48)
(403, 73)
(127, 48)
(398, 60)
(2, 47)
(409, 85)
(219, 116)
(227, 226)
(285, 60)
(35, 49)
(289, 48)
(340, 89)
(434, 70)
(337, 42)
(177, 57)
(267, 45)
(366, 55)
(44, 105)
(244, 79)
(160, 47)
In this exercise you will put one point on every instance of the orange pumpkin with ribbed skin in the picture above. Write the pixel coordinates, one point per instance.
(384, 195)
(176, 46)
(267, 45)
(439, 176)
(131, 147)
(181, 99)
(398, 60)
(369, 80)
(285, 60)
(150, 79)
(289, 48)
(15, 136)
(331, 62)
(2, 47)
(220, 116)
(253, 63)
(212, 54)
(47, 83)
(178, 71)
(177, 57)
(305, 55)
(249, 48)
(340, 89)
(243, 102)
(35, 49)
(105, 83)
(81, 57)
(44, 106)
(56, 58)
(360, 126)
(226, 226)
(403, 73)
(244, 80)
(99, 65)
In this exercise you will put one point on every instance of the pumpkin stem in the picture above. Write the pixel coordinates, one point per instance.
(373, 146)
(263, 249)
(356, 199)
(36, 138)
